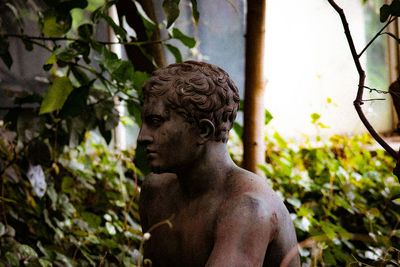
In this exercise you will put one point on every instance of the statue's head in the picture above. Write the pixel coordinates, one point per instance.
(197, 91)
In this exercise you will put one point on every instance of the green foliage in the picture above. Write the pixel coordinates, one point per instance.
(175, 52)
(57, 95)
(86, 77)
(342, 197)
(196, 14)
(268, 117)
(387, 11)
(171, 10)
(187, 41)
(88, 216)
(4, 53)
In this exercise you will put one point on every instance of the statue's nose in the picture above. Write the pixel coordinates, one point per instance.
(145, 135)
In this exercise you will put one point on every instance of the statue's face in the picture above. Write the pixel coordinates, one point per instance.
(170, 141)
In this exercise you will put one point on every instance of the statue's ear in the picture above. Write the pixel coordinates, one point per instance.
(207, 130)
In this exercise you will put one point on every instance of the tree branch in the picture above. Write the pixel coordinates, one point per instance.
(376, 90)
(376, 36)
(361, 83)
(54, 39)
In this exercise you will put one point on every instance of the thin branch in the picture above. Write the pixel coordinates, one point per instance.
(361, 82)
(376, 90)
(373, 99)
(2, 200)
(100, 76)
(55, 39)
(38, 44)
(23, 36)
(377, 35)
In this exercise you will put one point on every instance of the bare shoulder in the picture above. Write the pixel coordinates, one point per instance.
(244, 184)
(249, 196)
(254, 205)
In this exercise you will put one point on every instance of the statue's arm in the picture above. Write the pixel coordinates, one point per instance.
(148, 192)
(243, 231)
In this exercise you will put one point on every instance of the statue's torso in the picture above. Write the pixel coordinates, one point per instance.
(190, 240)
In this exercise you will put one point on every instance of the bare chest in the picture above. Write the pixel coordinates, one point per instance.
(190, 239)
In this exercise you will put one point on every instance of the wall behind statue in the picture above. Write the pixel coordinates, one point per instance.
(308, 61)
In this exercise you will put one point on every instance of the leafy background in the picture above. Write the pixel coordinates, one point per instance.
(342, 195)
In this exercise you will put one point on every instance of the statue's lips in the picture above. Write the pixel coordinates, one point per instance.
(151, 154)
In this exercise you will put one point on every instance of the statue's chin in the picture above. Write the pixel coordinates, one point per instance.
(160, 169)
(157, 171)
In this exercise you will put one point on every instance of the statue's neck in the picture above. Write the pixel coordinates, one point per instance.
(208, 172)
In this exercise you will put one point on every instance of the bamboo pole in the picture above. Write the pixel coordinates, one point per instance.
(254, 112)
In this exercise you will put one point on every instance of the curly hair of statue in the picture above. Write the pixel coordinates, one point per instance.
(197, 91)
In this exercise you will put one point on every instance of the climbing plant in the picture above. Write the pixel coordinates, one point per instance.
(388, 14)
(67, 200)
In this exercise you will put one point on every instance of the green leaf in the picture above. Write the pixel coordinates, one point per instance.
(82, 49)
(315, 117)
(27, 252)
(195, 12)
(268, 117)
(112, 119)
(384, 13)
(80, 75)
(294, 201)
(190, 42)
(50, 61)
(238, 129)
(98, 47)
(149, 26)
(328, 229)
(139, 78)
(45, 263)
(320, 124)
(117, 29)
(111, 61)
(107, 134)
(329, 259)
(93, 220)
(2, 227)
(56, 96)
(175, 51)
(28, 44)
(67, 185)
(12, 258)
(171, 10)
(282, 143)
(85, 31)
(134, 110)
(241, 105)
(123, 72)
(66, 55)
(4, 53)
(395, 8)
(55, 25)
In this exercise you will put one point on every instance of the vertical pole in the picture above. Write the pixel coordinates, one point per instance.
(254, 112)
(119, 131)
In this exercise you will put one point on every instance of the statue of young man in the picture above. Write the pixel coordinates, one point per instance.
(222, 215)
